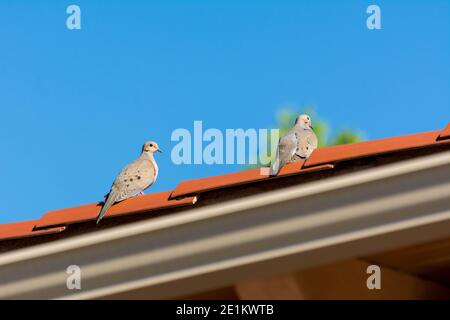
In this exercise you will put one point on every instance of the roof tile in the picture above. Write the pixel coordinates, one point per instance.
(24, 229)
(238, 178)
(373, 147)
(445, 133)
(145, 203)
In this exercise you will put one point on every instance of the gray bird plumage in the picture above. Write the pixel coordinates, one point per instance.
(307, 142)
(287, 146)
(134, 178)
(298, 143)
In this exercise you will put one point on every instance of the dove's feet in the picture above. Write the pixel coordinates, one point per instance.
(141, 193)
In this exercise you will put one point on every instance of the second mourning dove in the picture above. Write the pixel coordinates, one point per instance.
(134, 178)
(297, 143)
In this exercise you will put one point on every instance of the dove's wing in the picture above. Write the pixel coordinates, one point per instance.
(312, 139)
(307, 142)
(134, 179)
(287, 146)
(285, 151)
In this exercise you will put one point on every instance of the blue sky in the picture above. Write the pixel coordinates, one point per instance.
(78, 104)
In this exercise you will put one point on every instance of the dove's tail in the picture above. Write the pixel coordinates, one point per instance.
(275, 167)
(111, 199)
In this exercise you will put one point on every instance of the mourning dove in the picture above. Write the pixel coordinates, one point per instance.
(297, 143)
(307, 139)
(134, 178)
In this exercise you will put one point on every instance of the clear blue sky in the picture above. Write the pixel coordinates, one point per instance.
(77, 105)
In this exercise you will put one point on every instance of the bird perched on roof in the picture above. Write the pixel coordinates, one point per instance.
(134, 178)
(297, 143)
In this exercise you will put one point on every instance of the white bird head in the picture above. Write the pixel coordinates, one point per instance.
(150, 147)
(304, 121)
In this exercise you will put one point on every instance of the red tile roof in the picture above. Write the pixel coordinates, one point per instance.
(24, 229)
(88, 212)
(185, 194)
(238, 178)
(374, 147)
(320, 159)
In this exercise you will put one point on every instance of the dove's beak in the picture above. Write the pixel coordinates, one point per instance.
(159, 150)
(311, 127)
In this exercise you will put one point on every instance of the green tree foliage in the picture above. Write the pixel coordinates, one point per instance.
(346, 136)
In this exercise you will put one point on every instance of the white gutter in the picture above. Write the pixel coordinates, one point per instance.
(280, 231)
